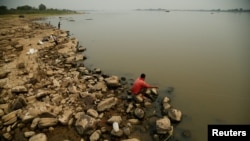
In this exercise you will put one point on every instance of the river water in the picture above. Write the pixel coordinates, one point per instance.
(204, 56)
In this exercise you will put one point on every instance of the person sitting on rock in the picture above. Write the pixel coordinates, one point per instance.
(140, 86)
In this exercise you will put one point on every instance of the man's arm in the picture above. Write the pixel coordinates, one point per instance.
(146, 85)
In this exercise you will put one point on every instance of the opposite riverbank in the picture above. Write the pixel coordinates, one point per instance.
(48, 93)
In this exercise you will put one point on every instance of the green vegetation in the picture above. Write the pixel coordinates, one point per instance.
(26, 9)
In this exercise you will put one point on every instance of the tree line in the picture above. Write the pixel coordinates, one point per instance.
(26, 9)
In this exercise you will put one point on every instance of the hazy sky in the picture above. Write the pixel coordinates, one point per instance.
(130, 4)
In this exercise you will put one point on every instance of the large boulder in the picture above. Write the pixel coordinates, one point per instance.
(39, 137)
(106, 104)
(112, 81)
(85, 124)
(163, 125)
(10, 118)
(47, 122)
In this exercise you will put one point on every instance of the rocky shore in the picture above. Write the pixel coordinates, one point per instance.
(48, 94)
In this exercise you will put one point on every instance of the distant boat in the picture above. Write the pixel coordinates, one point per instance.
(167, 11)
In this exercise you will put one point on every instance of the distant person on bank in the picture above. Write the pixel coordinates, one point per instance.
(140, 86)
(59, 25)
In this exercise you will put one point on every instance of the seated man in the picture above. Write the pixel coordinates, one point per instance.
(140, 86)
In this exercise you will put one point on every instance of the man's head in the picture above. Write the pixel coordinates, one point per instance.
(143, 76)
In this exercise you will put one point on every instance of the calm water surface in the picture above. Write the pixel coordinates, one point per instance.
(204, 56)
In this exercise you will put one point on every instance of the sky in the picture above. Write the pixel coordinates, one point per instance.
(130, 4)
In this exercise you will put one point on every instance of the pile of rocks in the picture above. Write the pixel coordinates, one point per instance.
(52, 87)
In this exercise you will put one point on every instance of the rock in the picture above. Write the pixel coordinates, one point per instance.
(147, 104)
(80, 57)
(47, 122)
(5, 107)
(112, 81)
(7, 136)
(41, 94)
(85, 123)
(31, 99)
(165, 100)
(100, 86)
(1, 112)
(139, 113)
(130, 106)
(106, 104)
(64, 119)
(92, 113)
(117, 119)
(50, 72)
(73, 90)
(163, 125)
(97, 71)
(154, 91)
(10, 118)
(70, 60)
(81, 49)
(34, 123)
(3, 82)
(39, 137)
(19, 89)
(29, 134)
(95, 136)
(27, 117)
(165, 105)
(175, 115)
(117, 133)
(11, 121)
(18, 103)
(4, 74)
(126, 131)
(57, 99)
(134, 121)
(56, 83)
(19, 47)
(139, 98)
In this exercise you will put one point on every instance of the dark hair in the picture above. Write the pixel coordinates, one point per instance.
(143, 75)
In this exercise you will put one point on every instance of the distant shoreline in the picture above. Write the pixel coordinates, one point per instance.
(198, 10)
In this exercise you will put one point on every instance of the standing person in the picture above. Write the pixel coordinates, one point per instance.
(140, 85)
(59, 25)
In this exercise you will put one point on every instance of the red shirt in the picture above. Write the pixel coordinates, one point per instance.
(138, 85)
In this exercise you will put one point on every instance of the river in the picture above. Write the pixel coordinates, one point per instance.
(204, 56)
